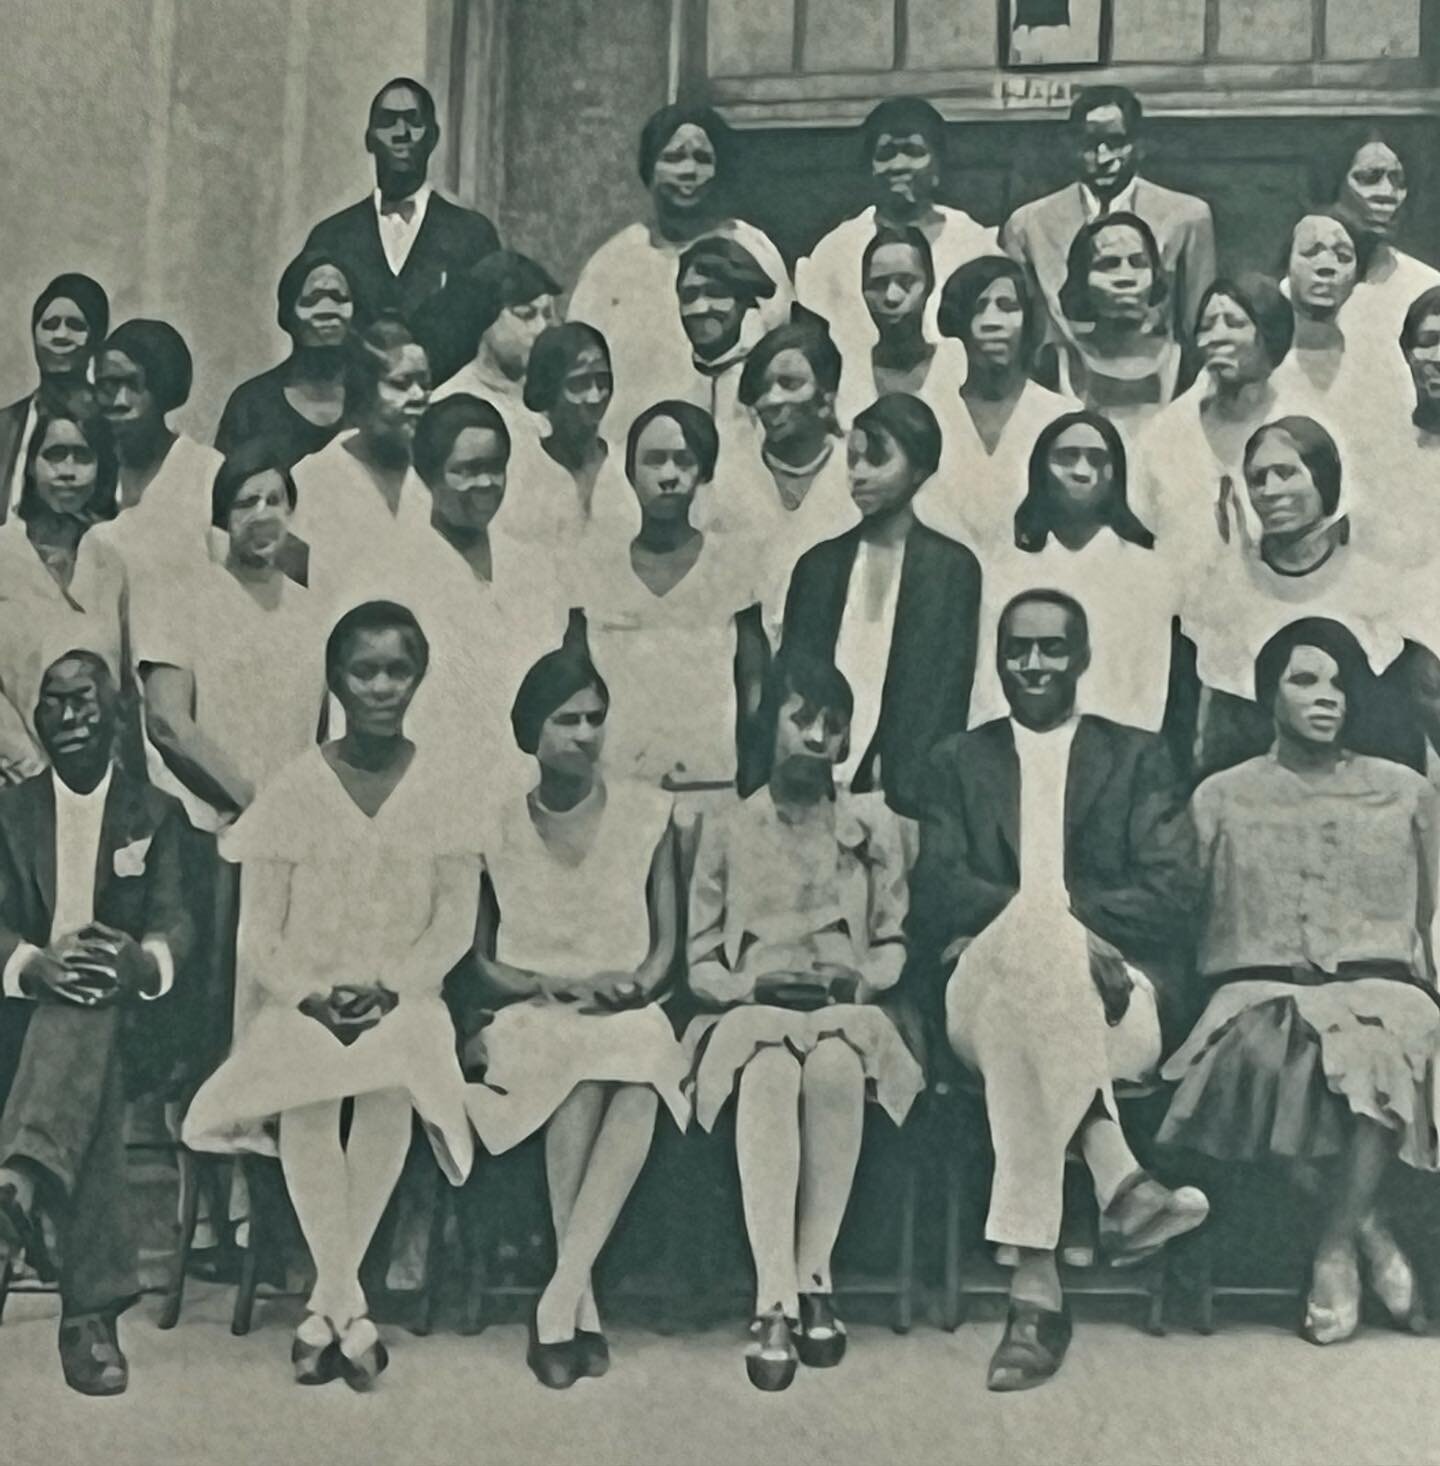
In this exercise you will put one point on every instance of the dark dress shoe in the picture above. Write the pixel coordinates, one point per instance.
(360, 1371)
(90, 1356)
(592, 1353)
(1032, 1348)
(820, 1340)
(771, 1357)
(556, 1366)
(315, 1364)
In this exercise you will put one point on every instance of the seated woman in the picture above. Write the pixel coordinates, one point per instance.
(363, 514)
(796, 909)
(895, 351)
(61, 589)
(788, 488)
(626, 289)
(299, 405)
(582, 938)
(480, 329)
(216, 736)
(673, 615)
(571, 483)
(68, 322)
(1075, 532)
(1307, 561)
(494, 602)
(894, 605)
(360, 880)
(1189, 479)
(143, 372)
(1318, 1047)
(1121, 359)
(1369, 191)
(720, 288)
(990, 421)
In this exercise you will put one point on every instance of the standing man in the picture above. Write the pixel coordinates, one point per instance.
(401, 244)
(903, 142)
(92, 929)
(1049, 920)
(1104, 129)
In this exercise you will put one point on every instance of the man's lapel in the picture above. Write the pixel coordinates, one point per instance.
(1091, 761)
(1001, 777)
(126, 819)
(426, 238)
(42, 822)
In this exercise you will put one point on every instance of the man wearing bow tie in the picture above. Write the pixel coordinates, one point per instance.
(92, 931)
(402, 243)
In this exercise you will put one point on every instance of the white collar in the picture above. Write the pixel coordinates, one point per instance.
(1122, 203)
(421, 199)
(64, 794)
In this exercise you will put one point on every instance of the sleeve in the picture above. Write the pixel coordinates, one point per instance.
(1151, 914)
(451, 931)
(1427, 847)
(889, 900)
(711, 979)
(20, 954)
(260, 941)
(159, 620)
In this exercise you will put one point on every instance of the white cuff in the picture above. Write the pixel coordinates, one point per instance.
(10, 979)
(158, 949)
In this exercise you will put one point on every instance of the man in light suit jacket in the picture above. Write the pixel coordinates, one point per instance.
(92, 931)
(402, 243)
(1050, 921)
(1104, 125)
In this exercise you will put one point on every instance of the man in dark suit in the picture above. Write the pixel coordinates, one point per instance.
(402, 243)
(893, 604)
(92, 930)
(1104, 128)
(1049, 924)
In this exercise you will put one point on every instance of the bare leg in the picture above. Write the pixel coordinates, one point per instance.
(767, 1147)
(569, 1139)
(615, 1163)
(832, 1117)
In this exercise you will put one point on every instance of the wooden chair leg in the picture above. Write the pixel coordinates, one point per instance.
(1155, 1308)
(250, 1261)
(1205, 1286)
(473, 1318)
(905, 1283)
(7, 1269)
(189, 1167)
(429, 1300)
(951, 1307)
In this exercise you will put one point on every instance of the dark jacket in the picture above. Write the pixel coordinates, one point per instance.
(450, 240)
(147, 903)
(1131, 865)
(926, 693)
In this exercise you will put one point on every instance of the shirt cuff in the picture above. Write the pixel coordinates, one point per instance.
(158, 949)
(10, 979)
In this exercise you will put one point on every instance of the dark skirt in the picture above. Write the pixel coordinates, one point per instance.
(1281, 1070)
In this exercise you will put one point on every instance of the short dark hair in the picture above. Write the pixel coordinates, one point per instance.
(715, 257)
(696, 426)
(160, 351)
(368, 353)
(292, 284)
(550, 684)
(104, 503)
(901, 117)
(249, 460)
(1426, 304)
(89, 297)
(450, 324)
(1035, 518)
(807, 334)
(1364, 245)
(908, 235)
(1316, 449)
(422, 93)
(1075, 299)
(1331, 637)
(1262, 300)
(661, 125)
(374, 616)
(799, 672)
(1332, 162)
(1045, 596)
(960, 298)
(1091, 99)
(552, 356)
(443, 422)
(86, 656)
(911, 424)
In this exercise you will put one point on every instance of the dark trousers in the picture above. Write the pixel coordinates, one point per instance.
(66, 1114)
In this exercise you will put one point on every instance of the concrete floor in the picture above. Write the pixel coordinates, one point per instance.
(1250, 1394)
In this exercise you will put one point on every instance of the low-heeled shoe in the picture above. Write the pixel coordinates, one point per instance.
(1031, 1349)
(820, 1339)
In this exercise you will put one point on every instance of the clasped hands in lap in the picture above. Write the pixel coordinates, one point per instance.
(91, 968)
(350, 1009)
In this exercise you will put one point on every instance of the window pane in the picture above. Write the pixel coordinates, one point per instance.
(951, 33)
(1268, 30)
(750, 37)
(1159, 30)
(849, 35)
(1362, 32)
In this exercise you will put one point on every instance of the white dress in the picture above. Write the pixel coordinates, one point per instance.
(669, 660)
(542, 502)
(167, 532)
(827, 280)
(1130, 595)
(626, 290)
(974, 494)
(948, 369)
(259, 671)
(507, 397)
(1391, 285)
(389, 899)
(572, 921)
